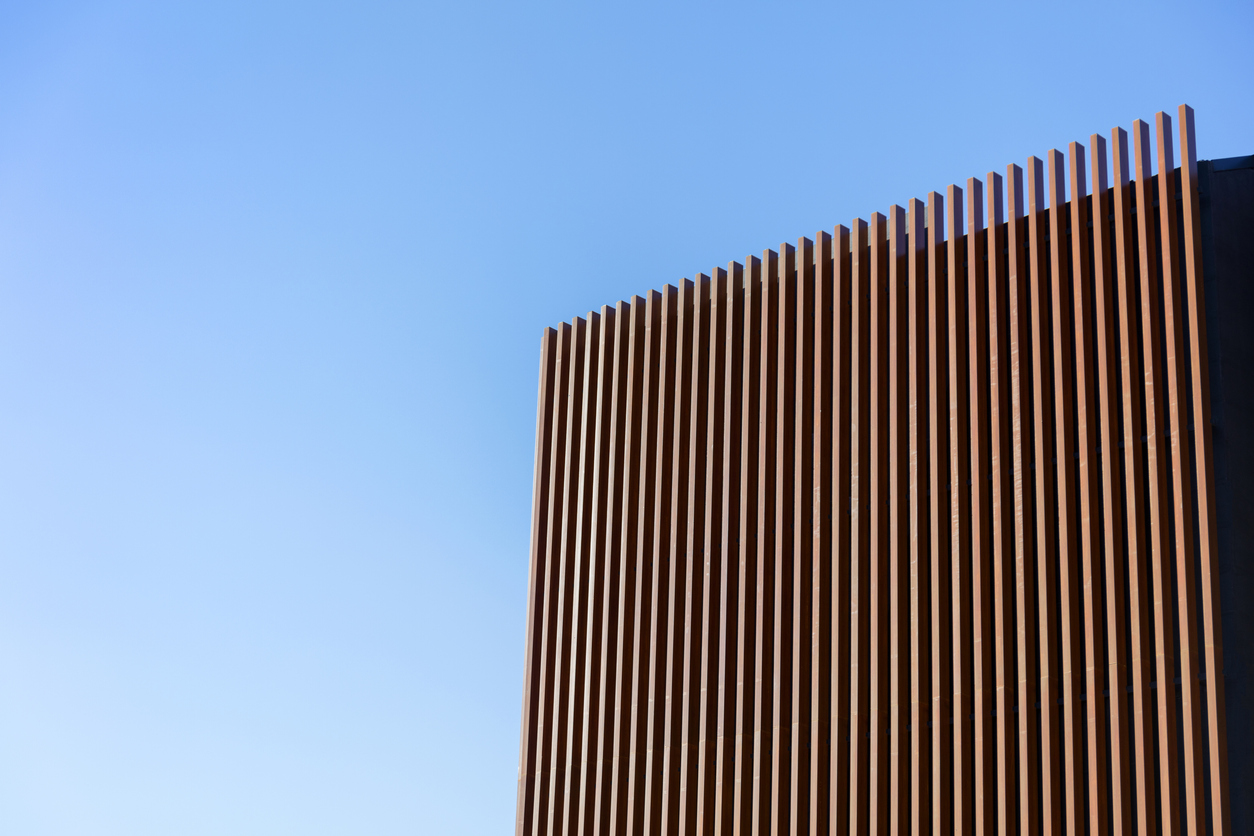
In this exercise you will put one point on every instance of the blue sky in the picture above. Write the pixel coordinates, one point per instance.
(272, 282)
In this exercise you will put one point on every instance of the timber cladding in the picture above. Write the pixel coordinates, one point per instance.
(904, 529)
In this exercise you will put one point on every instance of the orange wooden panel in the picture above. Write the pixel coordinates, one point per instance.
(744, 759)
(1088, 484)
(959, 528)
(842, 282)
(719, 811)
(877, 509)
(1002, 501)
(683, 708)
(1141, 638)
(565, 577)
(644, 788)
(670, 563)
(938, 516)
(1070, 609)
(1106, 350)
(800, 541)
(1204, 474)
(984, 635)
(1020, 342)
(900, 571)
(1191, 734)
(542, 728)
(857, 427)
(601, 751)
(659, 324)
(581, 577)
(546, 420)
(612, 791)
(920, 621)
(598, 565)
(821, 532)
(764, 669)
(1157, 480)
(1049, 692)
(714, 557)
(785, 436)
(568, 352)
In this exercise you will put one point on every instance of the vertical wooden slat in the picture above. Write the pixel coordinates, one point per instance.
(939, 519)
(1156, 479)
(596, 794)
(839, 553)
(764, 669)
(877, 509)
(715, 560)
(959, 528)
(613, 782)
(1043, 431)
(1204, 474)
(672, 617)
(546, 418)
(1132, 385)
(557, 482)
(598, 570)
(1070, 609)
(745, 760)
(858, 513)
(1106, 340)
(582, 576)
(785, 464)
(900, 568)
(655, 563)
(983, 634)
(659, 338)
(920, 623)
(821, 729)
(720, 811)
(683, 707)
(801, 540)
(1002, 500)
(567, 577)
(1020, 350)
(549, 793)
(1181, 483)
(1088, 482)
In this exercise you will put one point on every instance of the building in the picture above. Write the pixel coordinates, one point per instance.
(904, 528)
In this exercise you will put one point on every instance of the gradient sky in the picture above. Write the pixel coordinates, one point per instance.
(272, 283)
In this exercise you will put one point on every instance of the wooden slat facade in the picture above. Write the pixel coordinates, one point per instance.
(907, 528)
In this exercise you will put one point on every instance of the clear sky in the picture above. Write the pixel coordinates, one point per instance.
(272, 284)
